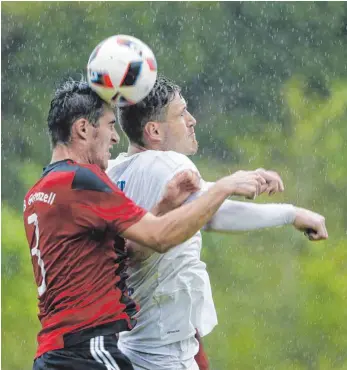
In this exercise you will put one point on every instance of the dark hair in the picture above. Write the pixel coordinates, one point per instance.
(133, 118)
(72, 100)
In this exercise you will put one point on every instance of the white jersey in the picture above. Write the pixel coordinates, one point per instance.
(172, 289)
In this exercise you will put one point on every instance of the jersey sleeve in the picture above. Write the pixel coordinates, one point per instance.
(100, 205)
(175, 163)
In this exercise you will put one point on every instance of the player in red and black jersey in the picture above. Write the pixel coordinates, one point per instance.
(75, 220)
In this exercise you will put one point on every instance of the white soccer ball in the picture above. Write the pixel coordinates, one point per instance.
(122, 70)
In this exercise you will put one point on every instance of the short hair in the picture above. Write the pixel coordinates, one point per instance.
(72, 100)
(153, 107)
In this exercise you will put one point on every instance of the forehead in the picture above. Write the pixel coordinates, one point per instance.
(108, 114)
(176, 104)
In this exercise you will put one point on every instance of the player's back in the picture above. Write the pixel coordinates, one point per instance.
(76, 252)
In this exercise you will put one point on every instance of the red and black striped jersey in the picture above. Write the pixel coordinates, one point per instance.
(73, 217)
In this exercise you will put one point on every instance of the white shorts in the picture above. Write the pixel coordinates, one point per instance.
(175, 356)
(193, 367)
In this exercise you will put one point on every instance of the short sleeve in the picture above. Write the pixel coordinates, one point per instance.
(100, 205)
(175, 163)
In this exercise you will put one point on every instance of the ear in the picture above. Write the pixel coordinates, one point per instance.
(153, 132)
(80, 128)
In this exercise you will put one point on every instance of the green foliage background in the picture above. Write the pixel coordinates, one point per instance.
(268, 84)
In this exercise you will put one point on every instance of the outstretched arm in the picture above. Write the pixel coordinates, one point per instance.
(164, 232)
(242, 216)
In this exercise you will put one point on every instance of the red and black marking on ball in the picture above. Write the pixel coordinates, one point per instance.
(102, 79)
(132, 73)
(152, 64)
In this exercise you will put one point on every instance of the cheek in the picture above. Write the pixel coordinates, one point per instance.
(181, 129)
(104, 139)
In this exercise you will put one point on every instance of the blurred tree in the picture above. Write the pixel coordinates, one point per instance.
(267, 82)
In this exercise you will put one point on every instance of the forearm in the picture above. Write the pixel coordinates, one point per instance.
(138, 252)
(241, 216)
(177, 226)
(182, 223)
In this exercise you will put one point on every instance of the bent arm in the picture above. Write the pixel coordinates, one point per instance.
(242, 216)
(175, 227)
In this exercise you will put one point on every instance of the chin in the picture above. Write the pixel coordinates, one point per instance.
(103, 166)
(190, 151)
(194, 149)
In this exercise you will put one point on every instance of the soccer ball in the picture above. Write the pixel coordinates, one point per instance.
(122, 70)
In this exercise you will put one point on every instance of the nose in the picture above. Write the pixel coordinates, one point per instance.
(115, 137)
(191, 120)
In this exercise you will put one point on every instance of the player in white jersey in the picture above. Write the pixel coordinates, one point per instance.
(173, 289)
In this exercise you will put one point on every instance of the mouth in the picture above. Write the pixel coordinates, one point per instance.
(109, 152)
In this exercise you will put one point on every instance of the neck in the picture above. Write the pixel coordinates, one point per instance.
(62, 152)
(135, 148)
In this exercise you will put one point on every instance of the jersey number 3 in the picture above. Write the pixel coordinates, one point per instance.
(32, 219)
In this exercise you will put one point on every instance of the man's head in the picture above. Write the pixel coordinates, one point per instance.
(161, 121)
(82, 122)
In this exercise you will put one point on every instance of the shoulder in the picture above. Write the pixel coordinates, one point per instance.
(175, 160)
(165, 160)
(91, 177)
(153, 160)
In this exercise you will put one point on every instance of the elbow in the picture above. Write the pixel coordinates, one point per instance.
(162, 244)
(164, 237)
(159, 242)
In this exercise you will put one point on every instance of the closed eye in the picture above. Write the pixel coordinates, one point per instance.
(112, 124)
(183, 112)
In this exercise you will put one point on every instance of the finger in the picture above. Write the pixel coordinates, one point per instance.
(187, 176)
(281, 185)
(180, 177)
(196, 180)
(261, 179)
(252, 191)
(325, 231)
(264, 189)
(193, 180)
(272, 176)
(270, 189)
(315, 237)
(274, 185)
(315, 234)
(258, 186)
(310, 233)
(265, 175)
(190, 188)
(278, 179)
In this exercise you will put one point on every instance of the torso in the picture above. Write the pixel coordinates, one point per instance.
(75, 253)
(172, 289)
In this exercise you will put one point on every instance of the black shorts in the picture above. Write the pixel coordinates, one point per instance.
(97, 353)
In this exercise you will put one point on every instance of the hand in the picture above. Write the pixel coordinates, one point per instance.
(177, 191)
(274, 183)
(245, 183)
(311, 223)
